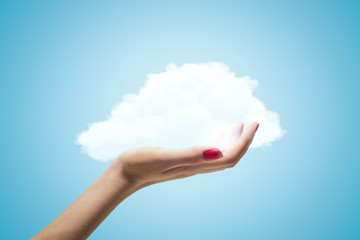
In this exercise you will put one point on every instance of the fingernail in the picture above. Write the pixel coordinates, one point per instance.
(212, 154)
(257, 127)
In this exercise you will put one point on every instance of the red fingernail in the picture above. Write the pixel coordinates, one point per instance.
(257, 127)
(212, 154)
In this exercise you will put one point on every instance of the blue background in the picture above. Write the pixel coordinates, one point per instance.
(66, 64)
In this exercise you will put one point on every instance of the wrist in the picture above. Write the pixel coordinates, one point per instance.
(116, 177)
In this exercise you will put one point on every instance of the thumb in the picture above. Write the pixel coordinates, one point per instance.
(192, 155)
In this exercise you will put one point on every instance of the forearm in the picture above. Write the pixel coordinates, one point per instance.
(86, 213)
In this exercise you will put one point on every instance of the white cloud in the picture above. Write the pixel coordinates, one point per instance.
(181, 107)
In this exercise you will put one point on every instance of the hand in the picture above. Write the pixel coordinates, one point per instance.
(138, 168)
(148, 165)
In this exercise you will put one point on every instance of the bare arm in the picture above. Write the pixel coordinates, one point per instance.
(138, 168)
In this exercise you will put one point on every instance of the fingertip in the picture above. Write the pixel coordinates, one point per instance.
(241, 127)
(253, 126)
(257, 126)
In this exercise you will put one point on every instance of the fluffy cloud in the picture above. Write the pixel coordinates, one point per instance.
(184, 106)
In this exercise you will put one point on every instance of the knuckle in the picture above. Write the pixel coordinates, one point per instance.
(233, 164)
(235, 157)
(231, 157)
(230, 163)
(191, 159)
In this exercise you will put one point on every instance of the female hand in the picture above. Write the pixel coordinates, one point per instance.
(148, 165)
(138, 168)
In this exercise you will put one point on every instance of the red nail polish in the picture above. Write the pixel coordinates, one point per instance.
(212, 154)
(257, 127)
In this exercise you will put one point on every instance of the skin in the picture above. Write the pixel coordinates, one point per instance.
(135, 169)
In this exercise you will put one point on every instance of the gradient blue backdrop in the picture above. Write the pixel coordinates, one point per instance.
(66, 64)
